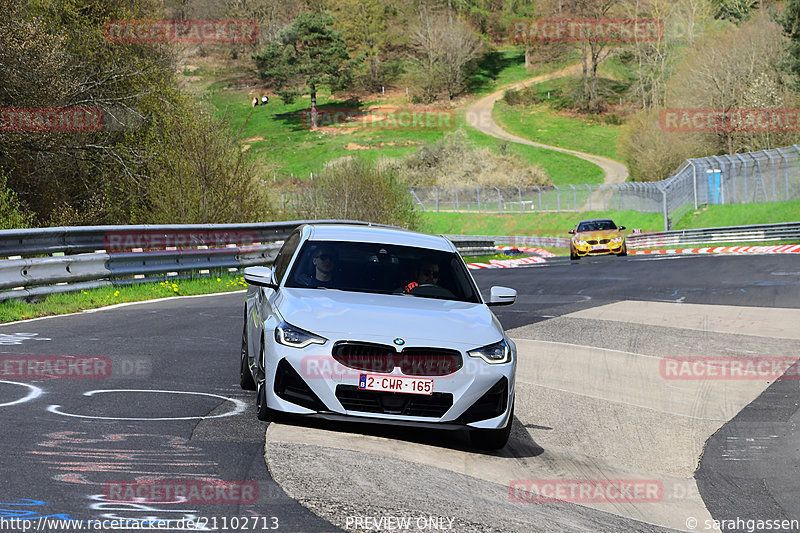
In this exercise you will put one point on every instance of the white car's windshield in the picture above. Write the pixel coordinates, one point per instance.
(382, 268)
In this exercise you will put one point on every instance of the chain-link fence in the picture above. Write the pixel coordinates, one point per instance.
(752, 177)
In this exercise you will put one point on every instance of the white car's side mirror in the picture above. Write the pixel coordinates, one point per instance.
(258, 275)
(502, 296)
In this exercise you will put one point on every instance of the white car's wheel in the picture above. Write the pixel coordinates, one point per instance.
(245, 376)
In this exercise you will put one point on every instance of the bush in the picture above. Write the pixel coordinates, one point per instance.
(352, 188)
(456, 162)
(13, 214)
(198, 173)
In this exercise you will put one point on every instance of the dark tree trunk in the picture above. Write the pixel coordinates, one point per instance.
(313, 106)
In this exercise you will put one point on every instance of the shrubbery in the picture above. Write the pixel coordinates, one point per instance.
(456, 162)
(352, 188)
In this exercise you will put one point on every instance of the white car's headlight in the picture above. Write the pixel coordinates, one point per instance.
(499, 352)
(290, 335)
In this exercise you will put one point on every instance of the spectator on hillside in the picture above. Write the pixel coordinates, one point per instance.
(264, 100)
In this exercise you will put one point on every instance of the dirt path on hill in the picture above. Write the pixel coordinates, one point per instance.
(479, 115)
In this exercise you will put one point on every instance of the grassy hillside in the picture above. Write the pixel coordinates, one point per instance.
(278, 138)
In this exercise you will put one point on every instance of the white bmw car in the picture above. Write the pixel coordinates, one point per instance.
(377, 324)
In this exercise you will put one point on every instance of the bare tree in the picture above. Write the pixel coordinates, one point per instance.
(445, 46)
(739, 69)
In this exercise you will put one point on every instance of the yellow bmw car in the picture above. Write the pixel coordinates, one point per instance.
(597, 237)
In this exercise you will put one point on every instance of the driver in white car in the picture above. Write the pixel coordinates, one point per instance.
(427, 273)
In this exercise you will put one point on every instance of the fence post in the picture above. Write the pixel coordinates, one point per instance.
(744, 176)
(694, 181)
(540, 197)
(499, 201)
(574, 198)
(414, 194)
(558, 198)
(478, 198)
(785, 171)
(590, 196)
(436, 190)
(772, 166)
(732, 165)
(457, 209)
(519, 195)
(760, 175)
(664, 208)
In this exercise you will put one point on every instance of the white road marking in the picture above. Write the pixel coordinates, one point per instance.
(34, 393)
(240, 406)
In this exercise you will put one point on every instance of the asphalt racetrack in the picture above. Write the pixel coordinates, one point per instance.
(626, 379)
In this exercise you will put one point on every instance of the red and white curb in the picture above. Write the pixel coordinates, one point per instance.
(541, 252)
(785, 249)
(506, 263)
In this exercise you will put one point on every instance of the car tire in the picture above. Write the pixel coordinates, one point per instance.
(623, 253)
(492, 439)
(574, 257)
(263, 412)
(245, 376)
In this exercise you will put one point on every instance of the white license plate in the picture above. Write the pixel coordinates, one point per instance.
(599, 247)
(386, 383)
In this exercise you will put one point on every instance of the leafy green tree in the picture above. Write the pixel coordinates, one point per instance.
(311, 52)
(364, 25)
(791, 29)
(734, 10)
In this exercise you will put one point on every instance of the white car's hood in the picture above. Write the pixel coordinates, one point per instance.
(383, 318)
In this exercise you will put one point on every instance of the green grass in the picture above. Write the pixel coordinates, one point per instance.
(558, 224)
(506, 66)
(59, 304)
(738, 215)
(534, 224)
(562, 168)
(283, 145)
(540, 124)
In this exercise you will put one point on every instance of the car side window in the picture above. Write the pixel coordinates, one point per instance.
(285, 256)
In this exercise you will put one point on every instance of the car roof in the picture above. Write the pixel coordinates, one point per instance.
(596, 220)
(377, 234)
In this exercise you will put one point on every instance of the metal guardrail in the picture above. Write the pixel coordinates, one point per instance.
(730, 234)
(65, 259)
